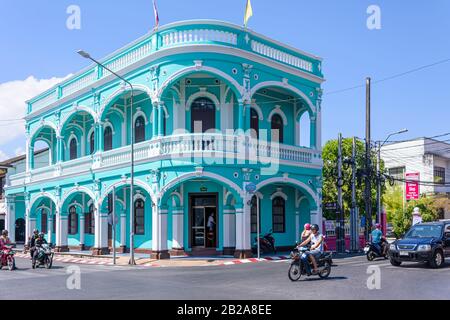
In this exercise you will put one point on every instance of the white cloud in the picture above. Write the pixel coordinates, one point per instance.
(20, 151)
(13, 95)
(3, 156)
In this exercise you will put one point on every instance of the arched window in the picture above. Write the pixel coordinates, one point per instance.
(254, 215)
(254, 123)
(305, 130)
(278, 215)
(44, 217)
(73, 149)
(89, 221)
(92, 143)
(73, 220)
(139, 217)
(203, 115)
(139, 130)
(107, 140)
(277, 128)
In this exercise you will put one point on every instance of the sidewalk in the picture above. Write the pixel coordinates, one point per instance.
(143, 260)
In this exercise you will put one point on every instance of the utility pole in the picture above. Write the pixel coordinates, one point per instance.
(379, 183)
(368, 170)
(340, 242)
(354, 225)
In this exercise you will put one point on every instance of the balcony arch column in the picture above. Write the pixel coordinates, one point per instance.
(161, 116)
(155, 119)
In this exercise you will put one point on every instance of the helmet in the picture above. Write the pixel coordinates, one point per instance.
(308, 226)
(41, 235)
(378, 226)
(35, 231)
(315, 227)
(5, 233)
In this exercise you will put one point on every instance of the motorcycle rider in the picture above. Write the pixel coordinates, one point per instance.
(32, 242)
(306, 232)
(316, 240)
(38, 242)
(377, 241)
(4, 239)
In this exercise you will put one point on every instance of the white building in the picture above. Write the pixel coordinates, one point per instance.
(428, 157)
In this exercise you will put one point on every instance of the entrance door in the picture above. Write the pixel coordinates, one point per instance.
(20, 231)
(203, 221)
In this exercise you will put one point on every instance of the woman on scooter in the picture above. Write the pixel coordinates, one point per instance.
(4, 240)
(306, 232)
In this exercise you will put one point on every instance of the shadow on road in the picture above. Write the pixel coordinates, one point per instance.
(328, 279)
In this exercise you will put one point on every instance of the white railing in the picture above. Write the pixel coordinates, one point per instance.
(199, 35)
(281, 56)
(80, 83)
(129, 58)
(212, 146)
(43, 102)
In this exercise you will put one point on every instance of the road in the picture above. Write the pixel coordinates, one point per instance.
(266, 281)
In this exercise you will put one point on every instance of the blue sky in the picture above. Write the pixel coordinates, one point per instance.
(35, 42)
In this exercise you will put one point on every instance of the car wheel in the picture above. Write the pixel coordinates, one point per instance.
(438, 260)
(395, 263)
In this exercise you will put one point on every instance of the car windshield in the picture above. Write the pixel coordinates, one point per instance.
(429, 231)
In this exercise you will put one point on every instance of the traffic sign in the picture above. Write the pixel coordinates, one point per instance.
(251, 187)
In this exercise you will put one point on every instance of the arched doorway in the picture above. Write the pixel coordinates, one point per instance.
(203, 115)
(20, 230)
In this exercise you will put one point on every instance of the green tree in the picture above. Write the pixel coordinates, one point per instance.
(393, 201)
(330, 156)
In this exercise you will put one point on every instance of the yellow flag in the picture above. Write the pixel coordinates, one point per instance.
(248, 12)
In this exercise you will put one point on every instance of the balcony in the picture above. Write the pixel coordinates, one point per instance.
(217, 148)
(181, 34)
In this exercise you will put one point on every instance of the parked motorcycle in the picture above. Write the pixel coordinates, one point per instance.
(298, 267)
(44, 257)
(267, 243)
(7, 259)
(372, 252)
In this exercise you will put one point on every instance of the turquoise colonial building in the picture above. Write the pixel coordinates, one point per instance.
(217, 110)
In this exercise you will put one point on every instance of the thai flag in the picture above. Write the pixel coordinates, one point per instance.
(155, 10)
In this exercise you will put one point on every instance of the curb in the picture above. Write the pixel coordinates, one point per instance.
(71, 260)
(254, 260)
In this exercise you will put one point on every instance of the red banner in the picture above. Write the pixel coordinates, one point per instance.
(412, 186)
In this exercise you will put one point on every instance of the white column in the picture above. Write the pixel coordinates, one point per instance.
(50, 227)
(297, 225)
(239, 228)
(123, 229)
(62, 225)
(159, 233)
(246, 225)
(82, 231)
(28, 230)
(101, 230)
(178, 229)
(10, 219)
(229, 229)
(319, 130)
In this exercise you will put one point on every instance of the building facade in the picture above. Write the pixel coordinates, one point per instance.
(224, 121)
(427, 157)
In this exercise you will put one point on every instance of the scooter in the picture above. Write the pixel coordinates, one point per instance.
(44, 257)
(372, 252)
(267, 243)
(298, 267)
(7, 259)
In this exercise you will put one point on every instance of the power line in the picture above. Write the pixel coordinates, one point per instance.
(392, 77)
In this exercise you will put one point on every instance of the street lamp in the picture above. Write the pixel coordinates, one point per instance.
(86, 55)
(380, 145)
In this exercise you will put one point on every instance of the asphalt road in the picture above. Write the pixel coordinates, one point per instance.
(266, 281)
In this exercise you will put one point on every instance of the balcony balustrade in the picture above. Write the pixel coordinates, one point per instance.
(217, 148)
(181, 35)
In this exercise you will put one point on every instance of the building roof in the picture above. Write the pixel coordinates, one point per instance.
(8, 163)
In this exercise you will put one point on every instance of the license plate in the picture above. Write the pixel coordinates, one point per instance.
(404, 253)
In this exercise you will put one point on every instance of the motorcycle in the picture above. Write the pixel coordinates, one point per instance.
(298, 267)
(44, 257)
(7, 259)
(372, 252)
(266, 243)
